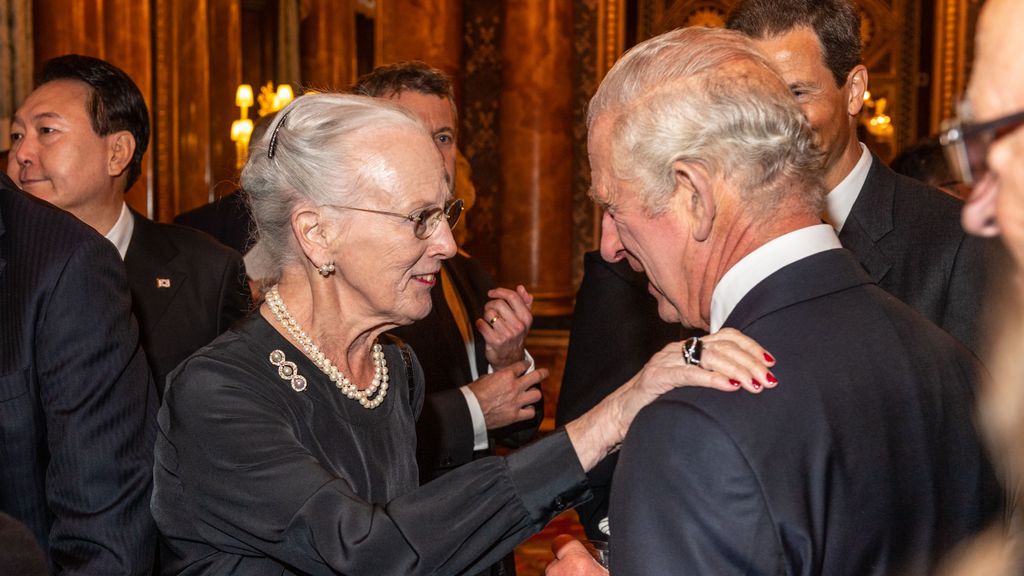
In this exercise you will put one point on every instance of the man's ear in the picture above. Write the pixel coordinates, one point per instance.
(694, 197)
(857, 85)
(122, 148)
(311, 235)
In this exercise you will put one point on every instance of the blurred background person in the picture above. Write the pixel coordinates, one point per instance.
(986, 150)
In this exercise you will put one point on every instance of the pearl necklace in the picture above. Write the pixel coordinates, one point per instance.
(380, 364)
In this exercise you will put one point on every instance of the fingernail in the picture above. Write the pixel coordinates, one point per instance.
(755, 384)
(768, 357)
(772, 379)
(734, 382)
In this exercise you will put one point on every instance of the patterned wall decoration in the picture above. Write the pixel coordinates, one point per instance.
(478, 124)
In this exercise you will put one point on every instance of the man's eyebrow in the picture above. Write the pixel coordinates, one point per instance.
(37, 117)
(602, 203)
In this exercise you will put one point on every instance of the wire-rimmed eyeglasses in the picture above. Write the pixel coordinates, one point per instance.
(966, 143)
(426, 220)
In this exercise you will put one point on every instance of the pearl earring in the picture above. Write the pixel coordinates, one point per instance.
(326, 269)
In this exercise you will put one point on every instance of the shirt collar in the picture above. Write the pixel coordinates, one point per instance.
(765, 261)
(839, 202)
(121, 233)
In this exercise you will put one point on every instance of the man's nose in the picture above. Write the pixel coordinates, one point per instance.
(611, 246)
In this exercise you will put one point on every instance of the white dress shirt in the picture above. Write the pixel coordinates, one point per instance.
(121, 233)
(839, 201)
(765, 261)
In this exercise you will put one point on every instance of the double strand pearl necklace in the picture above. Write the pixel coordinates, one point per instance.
(380, 364)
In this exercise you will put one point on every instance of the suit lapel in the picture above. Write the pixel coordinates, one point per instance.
(153, 274)
(871, 219)
(812, 277)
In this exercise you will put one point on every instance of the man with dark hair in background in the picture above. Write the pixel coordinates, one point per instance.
(77, 141)
(905, 234)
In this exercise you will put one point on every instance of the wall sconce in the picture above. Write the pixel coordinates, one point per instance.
(273, 100)
(241, 129)
(269, 100)
(877, 122)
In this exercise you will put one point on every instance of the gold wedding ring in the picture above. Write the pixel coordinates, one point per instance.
(493, 320)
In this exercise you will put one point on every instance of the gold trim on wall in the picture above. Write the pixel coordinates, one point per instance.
(611, 43)
(611, 22)
(951, 62)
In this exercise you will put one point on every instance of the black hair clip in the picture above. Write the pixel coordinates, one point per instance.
(273, 137)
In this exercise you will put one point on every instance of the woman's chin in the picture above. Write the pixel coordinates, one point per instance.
(415, 315)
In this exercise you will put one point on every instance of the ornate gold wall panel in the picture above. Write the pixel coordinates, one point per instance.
(955, 24)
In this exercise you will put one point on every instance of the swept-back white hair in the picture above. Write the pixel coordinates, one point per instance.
(707, 96)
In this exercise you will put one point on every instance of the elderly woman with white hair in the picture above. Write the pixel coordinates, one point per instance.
(288, 444)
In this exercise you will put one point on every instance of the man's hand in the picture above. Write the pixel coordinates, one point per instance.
(506, 395)
(572, 559)
(507, 319)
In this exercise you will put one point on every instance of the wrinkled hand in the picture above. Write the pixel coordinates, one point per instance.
(506, 396)
(505, 337)
(572, 559)
(729, 361)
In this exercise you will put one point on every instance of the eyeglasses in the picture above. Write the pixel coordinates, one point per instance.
(426, 221)
(966, 143)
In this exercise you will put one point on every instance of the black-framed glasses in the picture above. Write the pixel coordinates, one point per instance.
(426, 220)
(966, 143)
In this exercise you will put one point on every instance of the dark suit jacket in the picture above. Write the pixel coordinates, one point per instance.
(615, 330)
(77, 405)
(186, 288)
(444, 430)
(907, 236)
(863, 461)
(227, 219)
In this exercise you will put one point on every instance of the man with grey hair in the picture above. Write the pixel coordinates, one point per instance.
(864, 459)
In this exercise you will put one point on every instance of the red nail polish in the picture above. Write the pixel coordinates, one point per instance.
(755, 384)
(734, 382)
(772, 379)
(768, 357)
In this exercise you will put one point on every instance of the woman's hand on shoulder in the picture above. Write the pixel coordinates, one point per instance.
(726, 360)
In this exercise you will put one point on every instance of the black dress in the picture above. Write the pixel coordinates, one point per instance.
(252, 477)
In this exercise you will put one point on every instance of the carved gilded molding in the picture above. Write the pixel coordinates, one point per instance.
(955, 22)
(595, 56)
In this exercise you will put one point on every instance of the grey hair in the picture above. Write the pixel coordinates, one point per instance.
(707, 96)
(318, 158)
